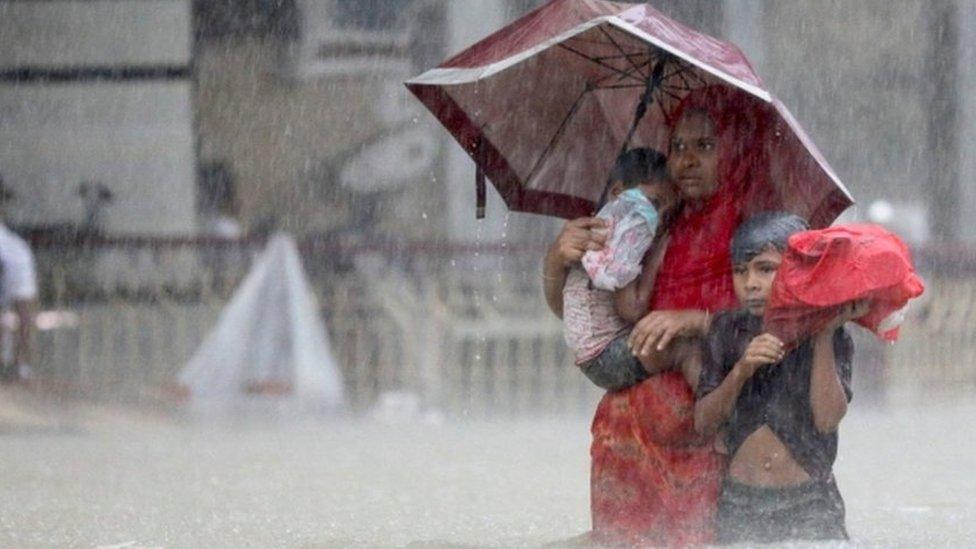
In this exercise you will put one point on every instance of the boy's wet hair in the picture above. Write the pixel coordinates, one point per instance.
(763, 231)
(639, 165)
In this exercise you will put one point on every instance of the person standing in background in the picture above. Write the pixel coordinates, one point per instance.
(18, 294)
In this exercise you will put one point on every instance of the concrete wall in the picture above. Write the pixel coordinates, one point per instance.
(291, 118)
(135, 138)
(106, 32)
(287, 140)
(62, 123)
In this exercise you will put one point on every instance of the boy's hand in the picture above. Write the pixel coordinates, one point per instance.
(851, 310)
(763, 350)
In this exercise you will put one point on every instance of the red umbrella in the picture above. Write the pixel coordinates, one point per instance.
(544, 106)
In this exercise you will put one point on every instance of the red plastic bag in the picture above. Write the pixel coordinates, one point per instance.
(824, 269)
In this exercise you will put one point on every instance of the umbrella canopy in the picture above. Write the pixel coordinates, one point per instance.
(545, 105)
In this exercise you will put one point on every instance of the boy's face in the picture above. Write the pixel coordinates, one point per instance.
(753, 280)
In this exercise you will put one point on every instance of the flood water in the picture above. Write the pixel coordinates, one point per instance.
(93, 477)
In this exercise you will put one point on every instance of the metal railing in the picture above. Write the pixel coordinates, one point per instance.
(464, 328)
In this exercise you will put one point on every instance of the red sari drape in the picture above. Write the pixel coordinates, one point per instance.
(653, 480)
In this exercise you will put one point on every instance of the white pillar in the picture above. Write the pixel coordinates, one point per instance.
(468, 22)
(743, 25)
(966, 82)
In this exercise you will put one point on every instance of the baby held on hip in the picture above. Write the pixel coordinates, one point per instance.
(602, 304)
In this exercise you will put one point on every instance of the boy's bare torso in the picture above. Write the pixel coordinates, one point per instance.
(763, 460)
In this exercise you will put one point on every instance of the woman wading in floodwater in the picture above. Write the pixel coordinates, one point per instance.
(654, 481)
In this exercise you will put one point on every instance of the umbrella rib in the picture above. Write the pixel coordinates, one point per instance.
(682, 76)
(623, 74)
(623, 87)
(598, 84)
(677, 71)
(620, 56)
(671, 95)
(643, 65)
(686, 70)
(629, 73)
(611, 76)
(621, 50)
(555, 137)
(664, 114)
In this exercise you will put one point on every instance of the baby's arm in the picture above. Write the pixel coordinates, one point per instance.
(632, 301)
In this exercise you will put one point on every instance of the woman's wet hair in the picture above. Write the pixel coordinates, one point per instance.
(763, 231)
(639, 165)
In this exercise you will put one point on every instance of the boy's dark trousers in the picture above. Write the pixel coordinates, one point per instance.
(810, 511)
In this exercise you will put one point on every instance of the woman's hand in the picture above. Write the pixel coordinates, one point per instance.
(577, 237)
(763, 350)
(658, 328)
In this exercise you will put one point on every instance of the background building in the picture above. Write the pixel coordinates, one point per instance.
(301, 102)
(188, 121)
(98, 92)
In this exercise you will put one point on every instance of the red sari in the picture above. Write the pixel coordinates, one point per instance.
(654, 481)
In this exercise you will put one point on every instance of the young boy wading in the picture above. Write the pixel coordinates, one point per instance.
(779, 408)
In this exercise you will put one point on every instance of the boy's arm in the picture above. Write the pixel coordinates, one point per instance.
(831, 371)
(828, 401)
(715, 407)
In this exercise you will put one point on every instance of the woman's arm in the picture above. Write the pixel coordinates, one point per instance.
(553, 280)
(573, 241)
(653, 332)
(713, 409)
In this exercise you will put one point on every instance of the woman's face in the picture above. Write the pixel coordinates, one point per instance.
(693, 156)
